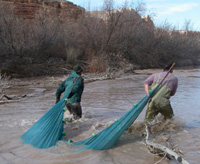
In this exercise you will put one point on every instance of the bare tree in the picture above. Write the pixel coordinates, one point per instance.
(12, 33)
(188, 26)
(111, 35)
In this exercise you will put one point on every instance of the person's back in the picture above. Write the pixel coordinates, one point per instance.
(77, 84)
(170, 83)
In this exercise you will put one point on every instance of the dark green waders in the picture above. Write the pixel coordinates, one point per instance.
(160, 104)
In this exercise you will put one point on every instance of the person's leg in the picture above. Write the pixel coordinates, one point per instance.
(77, 110)
(68, 117)
(167, 111)
(151, 112)
(69, 107)
(163, 104)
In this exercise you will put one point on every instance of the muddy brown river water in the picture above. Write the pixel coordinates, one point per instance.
(102, 102)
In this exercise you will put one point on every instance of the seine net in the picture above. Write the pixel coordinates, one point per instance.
(107, 138)
(49, 128)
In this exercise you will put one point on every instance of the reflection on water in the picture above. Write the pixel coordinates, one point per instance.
(102, 102)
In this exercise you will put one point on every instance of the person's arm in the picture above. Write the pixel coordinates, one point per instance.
(146, 88)
(60, 90)
(148, 83)
(175, 87)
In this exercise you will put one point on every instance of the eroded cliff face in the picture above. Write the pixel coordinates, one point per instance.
(36, 34)
(28, 8)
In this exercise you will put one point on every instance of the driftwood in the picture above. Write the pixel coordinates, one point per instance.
(95, 78)
(168, 152)
(16, 97)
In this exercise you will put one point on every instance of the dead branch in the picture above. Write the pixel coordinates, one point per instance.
(16, 97)
(163, 149)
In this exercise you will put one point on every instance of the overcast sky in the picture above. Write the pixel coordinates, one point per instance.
(175, 12)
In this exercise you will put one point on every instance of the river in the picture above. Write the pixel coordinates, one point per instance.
(102, 102)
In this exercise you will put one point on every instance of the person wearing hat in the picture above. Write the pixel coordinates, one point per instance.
(73, 86)
(160, 101)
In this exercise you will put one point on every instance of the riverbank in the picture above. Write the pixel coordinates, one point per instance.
(7, 84)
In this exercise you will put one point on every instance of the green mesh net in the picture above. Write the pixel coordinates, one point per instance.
(107, 138)
(49, 128)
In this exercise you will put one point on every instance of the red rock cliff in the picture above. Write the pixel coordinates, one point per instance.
(28, 8)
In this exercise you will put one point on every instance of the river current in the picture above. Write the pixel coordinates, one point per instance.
(102, 103)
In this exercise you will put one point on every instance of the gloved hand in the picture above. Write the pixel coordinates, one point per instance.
(57, 99)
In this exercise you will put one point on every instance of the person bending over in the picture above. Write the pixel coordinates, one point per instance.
(160, 102)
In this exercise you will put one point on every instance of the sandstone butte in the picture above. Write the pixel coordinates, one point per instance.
(28, 8)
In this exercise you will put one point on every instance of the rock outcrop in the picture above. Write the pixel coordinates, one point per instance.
(28, 8)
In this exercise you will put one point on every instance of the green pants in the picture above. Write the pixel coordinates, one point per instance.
(160, 104)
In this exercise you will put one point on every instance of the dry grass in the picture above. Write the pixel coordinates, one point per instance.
(97, 64)
(72, 55)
